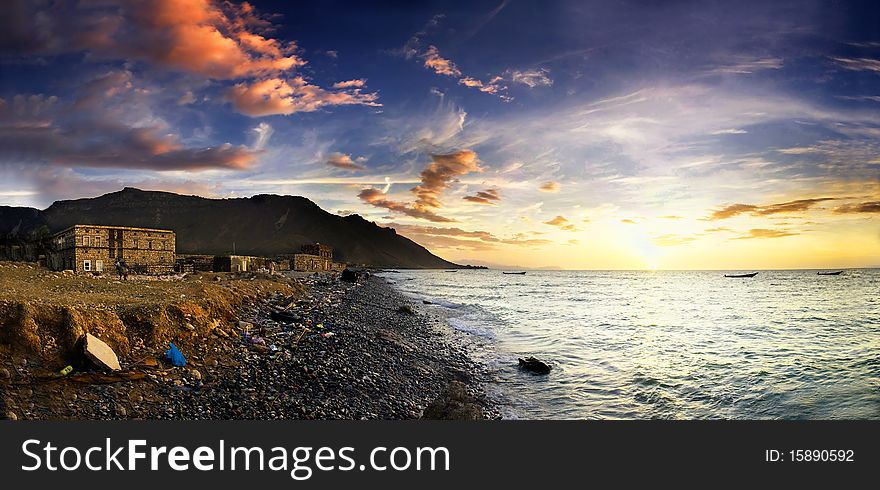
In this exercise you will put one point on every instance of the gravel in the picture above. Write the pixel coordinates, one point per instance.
(353, 351)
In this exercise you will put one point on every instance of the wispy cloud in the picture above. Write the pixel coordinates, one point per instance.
(796, 206)
(550, 187)
(488, 196)
(341, 160)
(95, 130)
(375, 197)
(276, 96)
(562, 223)
(538, 77)
(859, 64)
(427, 235)
(862, 207)
(748, 65)
(765, 233)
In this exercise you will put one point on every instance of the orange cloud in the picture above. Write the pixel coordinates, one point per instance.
(628, 221)
(550, 187)
(376, 198)
(562, 223)
(765, 233)
(863, 207)
(557, 221)
(275, 96)
(488, 196)
(440, 65)
(731, 211)
(215, 40)
(425, 233)
(341, 160)
(358, 83)
(219, 40)
(437, 176)
(796, 206)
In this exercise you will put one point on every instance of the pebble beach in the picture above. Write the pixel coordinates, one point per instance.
(340, 350)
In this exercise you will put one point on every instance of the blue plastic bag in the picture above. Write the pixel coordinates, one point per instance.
(174, 355)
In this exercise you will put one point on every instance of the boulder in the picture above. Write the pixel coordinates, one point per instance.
(350, 275)
(534, 365)
(100, 353)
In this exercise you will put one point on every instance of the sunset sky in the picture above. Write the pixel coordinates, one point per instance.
(571, 134)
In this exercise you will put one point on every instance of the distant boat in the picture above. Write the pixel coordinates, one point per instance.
(450, 271)
(835, 273)
(753, 274)
(519, 273)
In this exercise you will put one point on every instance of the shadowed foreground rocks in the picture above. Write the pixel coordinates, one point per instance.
(316, 349)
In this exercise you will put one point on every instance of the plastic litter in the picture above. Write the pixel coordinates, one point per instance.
(174, 355)
(67, 370)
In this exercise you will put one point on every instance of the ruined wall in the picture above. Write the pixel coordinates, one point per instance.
(311, 263)
(323, 251)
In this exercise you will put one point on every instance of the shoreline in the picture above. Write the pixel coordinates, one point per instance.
(366, 352)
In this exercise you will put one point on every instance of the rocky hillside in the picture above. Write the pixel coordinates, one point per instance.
(262, 225)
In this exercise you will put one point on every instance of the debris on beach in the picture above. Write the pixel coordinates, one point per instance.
(100, 353)
(534, 365)
(332, 350)
(174, 356)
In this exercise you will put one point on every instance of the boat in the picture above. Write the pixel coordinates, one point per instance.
(518, 273)
(835, 273)
(450, 271)
(751, 274)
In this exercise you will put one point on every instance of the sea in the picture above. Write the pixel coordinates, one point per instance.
(786, 344)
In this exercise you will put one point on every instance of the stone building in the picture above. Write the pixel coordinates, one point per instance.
(94, 248)
(313, 257)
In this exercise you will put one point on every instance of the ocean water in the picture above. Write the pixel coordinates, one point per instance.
(668, 344)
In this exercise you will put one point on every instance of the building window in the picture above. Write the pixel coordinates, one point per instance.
(97, 241)
(150, 244)
(99, 266)
(87, 241)
(87, 265)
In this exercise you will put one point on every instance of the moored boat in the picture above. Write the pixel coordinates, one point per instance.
(751, 274)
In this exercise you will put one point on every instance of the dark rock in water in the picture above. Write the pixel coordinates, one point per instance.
(426, 302)
(534, 365)
(454, 404)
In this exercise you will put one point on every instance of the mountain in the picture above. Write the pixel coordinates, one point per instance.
(263, 225)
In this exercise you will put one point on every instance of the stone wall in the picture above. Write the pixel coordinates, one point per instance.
(311, 263)
(85, 248)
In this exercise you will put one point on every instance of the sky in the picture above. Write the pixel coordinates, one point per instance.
(560, 134)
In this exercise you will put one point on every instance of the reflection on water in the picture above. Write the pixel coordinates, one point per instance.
(671, 344)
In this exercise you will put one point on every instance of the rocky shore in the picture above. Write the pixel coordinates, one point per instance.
(334, 350)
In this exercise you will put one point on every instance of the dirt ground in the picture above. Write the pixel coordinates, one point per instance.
(44, 315)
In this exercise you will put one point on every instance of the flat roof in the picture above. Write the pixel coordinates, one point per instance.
(135, 228)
